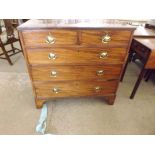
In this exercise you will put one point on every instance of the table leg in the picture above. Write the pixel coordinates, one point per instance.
(148, 75)
(140, 77)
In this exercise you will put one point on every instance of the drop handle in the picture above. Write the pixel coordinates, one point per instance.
(106, 38)
(98, 88)
(50, 39)
(53, 74)
(52, 56)
(103, 54)
(56, 90)
(100, 72)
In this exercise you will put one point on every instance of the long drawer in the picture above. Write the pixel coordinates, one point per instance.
(76, 56)
(48, 38)
(81, 88)
(64, 73)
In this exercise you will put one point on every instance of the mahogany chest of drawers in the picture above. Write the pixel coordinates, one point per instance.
(69, 58)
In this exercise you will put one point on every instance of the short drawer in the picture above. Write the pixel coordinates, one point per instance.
(89, 56)
(48, 38)
(82, 88)
(64, 73)
(105, 37)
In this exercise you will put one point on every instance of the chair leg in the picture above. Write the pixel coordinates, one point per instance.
(12, 48)
(6, 55)
(137, 83)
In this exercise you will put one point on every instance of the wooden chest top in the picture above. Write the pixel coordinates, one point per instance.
(74, 24)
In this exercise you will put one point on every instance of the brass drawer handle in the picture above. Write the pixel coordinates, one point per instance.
(98, 88)
(52, 56)
(50, 39)
(106, 38)
(53, 74)
(100, 72)
(56, 90)
(103, 55)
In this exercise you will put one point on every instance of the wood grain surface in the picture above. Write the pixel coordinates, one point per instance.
(75, 88)
(75, 56)
(65, 73)
(74, 53)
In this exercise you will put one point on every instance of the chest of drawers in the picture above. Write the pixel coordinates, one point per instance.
(74, 59)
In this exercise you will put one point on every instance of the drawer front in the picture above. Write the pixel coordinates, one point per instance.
(49, 38)
(67, 89)
(106, 37)
(64, 73)
(140, 49)
(151, 61)
(81, 56)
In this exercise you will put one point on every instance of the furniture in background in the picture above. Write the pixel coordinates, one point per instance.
(147, 32)
(141, 32)
(142, 52)
(145, 49)
(68, 58)
(21, 21)
(10, 39)
(132, 56)
(144, 32)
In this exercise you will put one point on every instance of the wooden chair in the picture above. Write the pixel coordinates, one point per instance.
(10, 40)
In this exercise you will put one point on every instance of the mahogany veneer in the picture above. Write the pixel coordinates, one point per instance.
(70, 58)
